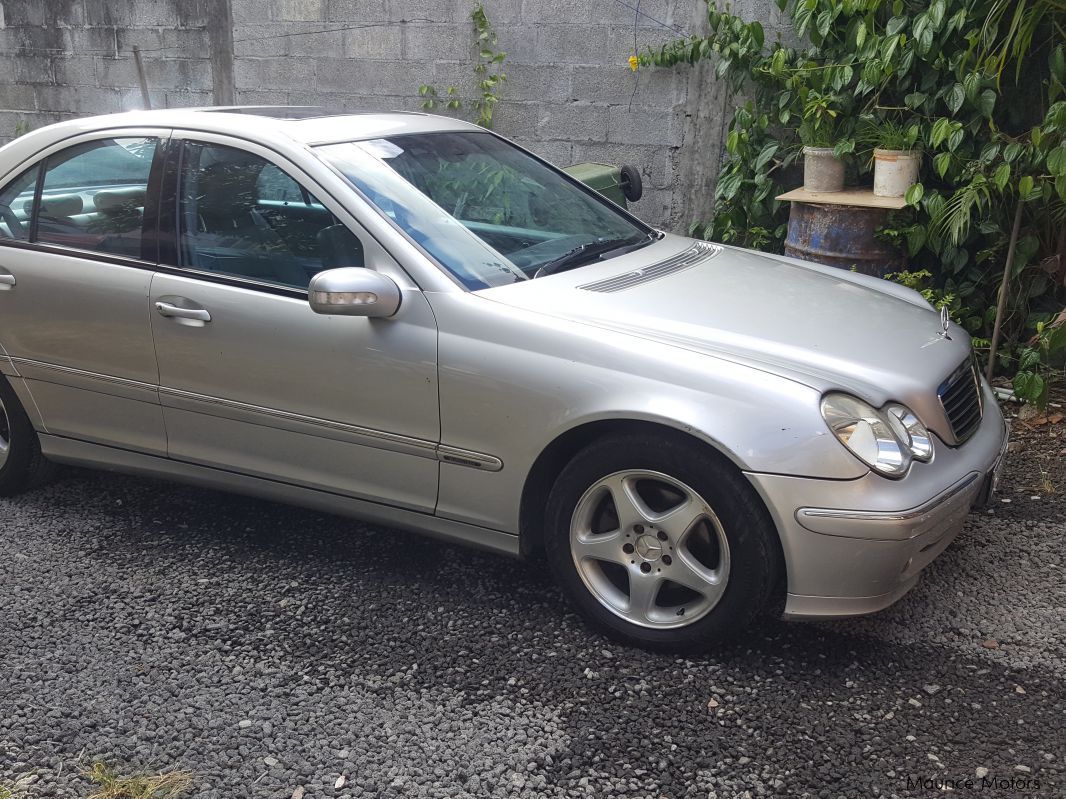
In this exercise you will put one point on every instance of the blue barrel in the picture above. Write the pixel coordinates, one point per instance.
(841, 235)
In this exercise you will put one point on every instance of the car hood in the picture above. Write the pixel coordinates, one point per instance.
(824, 327)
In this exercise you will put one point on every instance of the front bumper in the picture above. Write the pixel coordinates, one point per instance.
(856, 546)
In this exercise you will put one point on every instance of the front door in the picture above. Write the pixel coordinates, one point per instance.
(73, 300)
(251, 379)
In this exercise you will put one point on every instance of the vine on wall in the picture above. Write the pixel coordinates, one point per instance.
(488, 71)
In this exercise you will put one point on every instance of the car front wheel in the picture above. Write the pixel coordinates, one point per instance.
(661, 542)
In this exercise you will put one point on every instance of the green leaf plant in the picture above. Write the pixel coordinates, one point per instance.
(488, 73)
(979, 86)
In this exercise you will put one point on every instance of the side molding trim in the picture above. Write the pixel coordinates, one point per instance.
(199, 403)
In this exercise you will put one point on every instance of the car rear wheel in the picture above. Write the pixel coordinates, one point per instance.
(22, 466)
(660, 542)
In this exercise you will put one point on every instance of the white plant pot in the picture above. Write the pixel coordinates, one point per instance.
(822, 170)
(895, 171)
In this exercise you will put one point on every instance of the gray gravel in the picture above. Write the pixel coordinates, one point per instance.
(264, 648)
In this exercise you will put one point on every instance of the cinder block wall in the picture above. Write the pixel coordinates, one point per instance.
(569, 95)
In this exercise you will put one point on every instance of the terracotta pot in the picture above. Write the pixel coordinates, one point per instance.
(822, 171)
(895, 171)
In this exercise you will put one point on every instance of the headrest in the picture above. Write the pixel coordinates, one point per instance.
(107, 200)
(225, 187)
(57, 205)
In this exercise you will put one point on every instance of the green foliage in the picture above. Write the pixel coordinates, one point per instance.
(488, 71)
(820, 126)
(488, 67)
(908, 74)
(888, 134)
(1010, 28)
(431, 100)
(1036, 364)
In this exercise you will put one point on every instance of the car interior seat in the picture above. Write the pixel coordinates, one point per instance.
(228, 234)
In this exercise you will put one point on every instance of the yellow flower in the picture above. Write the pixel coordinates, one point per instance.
(634, 62)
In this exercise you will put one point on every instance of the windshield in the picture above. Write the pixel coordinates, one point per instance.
(485, 210)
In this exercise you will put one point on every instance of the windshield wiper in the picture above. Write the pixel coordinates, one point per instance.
(587, 252)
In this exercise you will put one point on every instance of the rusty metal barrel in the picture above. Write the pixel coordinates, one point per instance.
(841, 235)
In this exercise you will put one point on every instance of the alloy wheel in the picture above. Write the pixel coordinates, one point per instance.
(650, 549)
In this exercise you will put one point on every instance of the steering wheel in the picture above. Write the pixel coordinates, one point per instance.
(14, 224)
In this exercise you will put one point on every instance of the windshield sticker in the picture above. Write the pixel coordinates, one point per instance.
(381, 148)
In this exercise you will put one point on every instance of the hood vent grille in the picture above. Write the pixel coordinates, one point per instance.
(697, 253)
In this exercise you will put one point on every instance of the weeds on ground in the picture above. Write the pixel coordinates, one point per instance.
(139, 786)
(1046, 485)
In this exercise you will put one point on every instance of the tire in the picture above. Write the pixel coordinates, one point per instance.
(632, 185)
(690, 536)
(22, 466)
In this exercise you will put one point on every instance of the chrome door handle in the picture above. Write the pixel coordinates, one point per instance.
(168, 310)
(7, 280)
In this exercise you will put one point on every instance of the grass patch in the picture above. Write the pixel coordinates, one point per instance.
(111, 785)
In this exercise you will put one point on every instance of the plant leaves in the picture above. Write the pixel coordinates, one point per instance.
(915, 238)
(1023, 385)
(915, 99)
(986, 103)
(1057, 63)
(941, 163)
(955, 97)
(765, 155)
(914, 194)
(728, 186)
(895, 25)
(955, 138)
(1056, 161)
(941, 129)
(936, 13)
(1001, 176)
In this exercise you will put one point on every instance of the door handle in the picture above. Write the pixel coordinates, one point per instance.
(173, 311)
(6, 280)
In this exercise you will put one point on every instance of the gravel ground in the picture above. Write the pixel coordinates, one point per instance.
(264, 648)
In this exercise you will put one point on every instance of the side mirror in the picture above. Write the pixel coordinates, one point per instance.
(353, 291)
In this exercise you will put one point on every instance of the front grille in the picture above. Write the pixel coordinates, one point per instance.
(697, 253)
(960, 395)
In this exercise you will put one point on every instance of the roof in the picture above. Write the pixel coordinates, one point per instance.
(303, 124)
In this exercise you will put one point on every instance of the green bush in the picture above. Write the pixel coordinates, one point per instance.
(978, 85)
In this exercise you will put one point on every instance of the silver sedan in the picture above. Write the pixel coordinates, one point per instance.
(411, 320)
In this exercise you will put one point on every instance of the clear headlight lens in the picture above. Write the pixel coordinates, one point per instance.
(914, 434)
(878, 440)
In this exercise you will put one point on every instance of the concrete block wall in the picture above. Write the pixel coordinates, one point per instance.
(64, 59)
(569, 96)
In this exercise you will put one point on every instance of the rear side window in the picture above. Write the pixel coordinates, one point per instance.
(16, 206)
(93, 195)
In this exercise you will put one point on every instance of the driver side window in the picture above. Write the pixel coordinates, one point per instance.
(241, 215)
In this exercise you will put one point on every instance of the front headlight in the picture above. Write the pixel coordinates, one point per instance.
(911, 431)
(868, 434)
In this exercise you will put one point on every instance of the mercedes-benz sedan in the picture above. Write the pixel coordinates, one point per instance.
(411, 320)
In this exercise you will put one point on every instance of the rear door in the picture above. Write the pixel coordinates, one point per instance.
(77, 264)
(251, 379)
